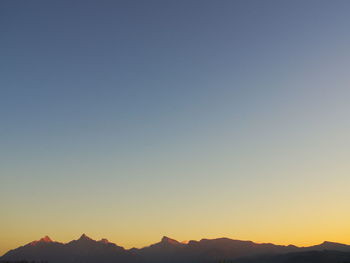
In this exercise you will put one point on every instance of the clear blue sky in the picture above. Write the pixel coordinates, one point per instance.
(135, 119)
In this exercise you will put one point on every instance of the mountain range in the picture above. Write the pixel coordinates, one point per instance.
(167, 250)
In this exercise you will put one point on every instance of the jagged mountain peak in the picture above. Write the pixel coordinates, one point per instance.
(330, 243)
(85, 237)
(104, 241)
(168, 240)
(45, 239)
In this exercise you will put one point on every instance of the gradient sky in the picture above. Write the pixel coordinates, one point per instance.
(131, 120)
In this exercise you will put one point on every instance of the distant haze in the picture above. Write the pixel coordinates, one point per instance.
(137, 119)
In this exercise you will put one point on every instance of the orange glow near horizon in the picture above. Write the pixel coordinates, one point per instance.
(133, 120)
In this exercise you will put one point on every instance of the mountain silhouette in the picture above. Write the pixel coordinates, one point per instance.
(167, 250)
(323, 256)
(330, 246)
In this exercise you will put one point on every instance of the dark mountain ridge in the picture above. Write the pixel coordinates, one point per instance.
(87, 250)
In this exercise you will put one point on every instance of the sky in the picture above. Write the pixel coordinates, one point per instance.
(136, 119)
